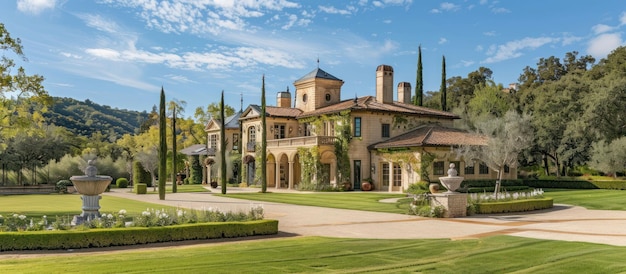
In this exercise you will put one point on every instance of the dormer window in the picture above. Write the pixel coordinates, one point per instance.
(304, 97)
(327, 97)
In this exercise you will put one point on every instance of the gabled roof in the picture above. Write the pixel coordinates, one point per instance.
(254, 111)
(318, 73)
(432, 135)
(369, 103)
(231, 122)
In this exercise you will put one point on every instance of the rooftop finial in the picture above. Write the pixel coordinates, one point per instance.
(318, 61)
(241, 107)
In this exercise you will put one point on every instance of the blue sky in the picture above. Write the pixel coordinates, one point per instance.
(121, 52)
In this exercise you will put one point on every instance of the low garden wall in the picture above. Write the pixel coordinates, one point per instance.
(38, 189)
(106, 237)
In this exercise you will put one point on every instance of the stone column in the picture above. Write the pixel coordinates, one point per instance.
(290, 174)
(277, 175)
(390, 177)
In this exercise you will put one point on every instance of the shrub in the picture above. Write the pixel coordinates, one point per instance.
(514, 206)
(121, 183)
(418, 188)
(141, 188)
(61, 186)
(140, 175)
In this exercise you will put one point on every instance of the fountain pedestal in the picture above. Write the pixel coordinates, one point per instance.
(454, 202)
(90, 186)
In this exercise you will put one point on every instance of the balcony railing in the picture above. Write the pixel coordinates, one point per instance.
(250, 147)
(302, 141)
(211, 151)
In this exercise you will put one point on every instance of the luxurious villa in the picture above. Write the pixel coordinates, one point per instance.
(324, 139)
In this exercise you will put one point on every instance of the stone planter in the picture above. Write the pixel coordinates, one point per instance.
(367, 186)
(433, 188)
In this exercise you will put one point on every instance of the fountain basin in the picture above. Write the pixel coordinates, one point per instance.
(452, 183)
(91, 185)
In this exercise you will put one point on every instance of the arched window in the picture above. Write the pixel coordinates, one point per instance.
(251, 135)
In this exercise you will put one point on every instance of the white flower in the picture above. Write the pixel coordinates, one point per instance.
(145, 213)
(110, 216)
(122, 212)
(22, 217)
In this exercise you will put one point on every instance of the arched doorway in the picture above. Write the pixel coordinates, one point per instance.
(283, 171)
(250, 169)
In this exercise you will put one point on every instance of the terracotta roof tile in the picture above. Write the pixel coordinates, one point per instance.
(369, 103)
(432, 135)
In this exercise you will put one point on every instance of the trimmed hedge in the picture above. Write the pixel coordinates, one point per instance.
(577, 184)
(514, 206)
(71, 239)
(141, 188)
(121, 183)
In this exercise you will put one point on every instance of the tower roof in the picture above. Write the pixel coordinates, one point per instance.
(318, 73)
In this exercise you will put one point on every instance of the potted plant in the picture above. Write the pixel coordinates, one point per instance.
(367, 184)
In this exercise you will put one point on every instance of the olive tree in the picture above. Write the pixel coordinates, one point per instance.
(505, 138)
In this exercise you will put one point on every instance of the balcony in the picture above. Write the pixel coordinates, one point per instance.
(250, 147)
(307, 141)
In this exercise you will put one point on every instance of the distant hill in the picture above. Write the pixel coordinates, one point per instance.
(85, 118)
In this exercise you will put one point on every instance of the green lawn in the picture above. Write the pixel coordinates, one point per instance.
(53, 205)
(367, 201)
(500, 254)
(590, 199)
(179, 189)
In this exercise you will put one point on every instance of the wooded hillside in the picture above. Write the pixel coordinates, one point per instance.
(86, 118)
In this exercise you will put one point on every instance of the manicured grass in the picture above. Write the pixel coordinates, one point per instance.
(590, 199)
(367, 201)
(499, 254)
(179, 189)
(53, 205)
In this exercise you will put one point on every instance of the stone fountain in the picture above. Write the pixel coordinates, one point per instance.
(454, 202)
(90, 186)
(452, 182)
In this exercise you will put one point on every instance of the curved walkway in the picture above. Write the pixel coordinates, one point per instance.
(565, 223)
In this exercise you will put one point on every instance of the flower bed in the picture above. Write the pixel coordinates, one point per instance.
(151, 226)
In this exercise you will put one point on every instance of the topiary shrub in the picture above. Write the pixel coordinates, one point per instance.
(141, 188)
(121, 183)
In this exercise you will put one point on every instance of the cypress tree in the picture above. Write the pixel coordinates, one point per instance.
(443, 90)
(419, 82)
(223, 145)
(162, 147)
(263, 141)
(174, 185)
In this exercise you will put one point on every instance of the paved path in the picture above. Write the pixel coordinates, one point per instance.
(566, 223)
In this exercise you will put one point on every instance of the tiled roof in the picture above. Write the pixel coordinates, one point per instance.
(318, 73)
(277, 111)
(432, 135)
(198, 149)
(369, 103)
(233, 120)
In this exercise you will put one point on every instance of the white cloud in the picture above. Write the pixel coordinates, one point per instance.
(514, 49)
(601, 28)
(200, 17)
(447, 6)
(442, 41)
(99, 23)
(602, 45)
(35, 6)
(622, 19)
(500, 10)
(333, 10)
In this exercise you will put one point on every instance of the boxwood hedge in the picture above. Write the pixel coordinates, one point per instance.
(74, 239)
